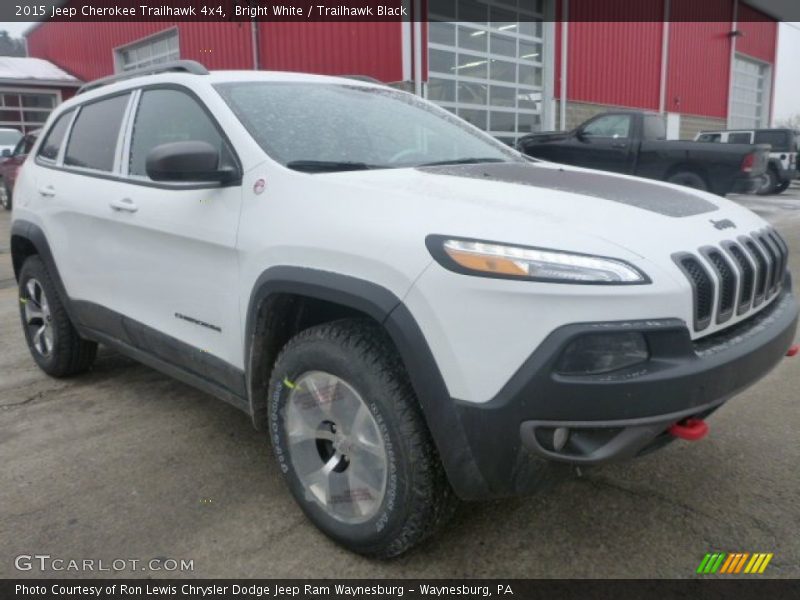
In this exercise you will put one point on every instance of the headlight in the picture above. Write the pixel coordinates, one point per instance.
(491, 259)
(596, 353)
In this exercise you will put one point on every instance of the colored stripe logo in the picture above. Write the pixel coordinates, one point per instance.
(734, 563)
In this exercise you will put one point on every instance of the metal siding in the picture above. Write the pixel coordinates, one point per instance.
(86, 49)
(334, 48)
(759, 34)
(699, 58)
(612, 62)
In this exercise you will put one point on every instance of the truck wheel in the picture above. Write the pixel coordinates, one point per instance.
(688, 179)
(352, 443)
(54, 343)
(5, 196)
(782, 187)
(769, 181)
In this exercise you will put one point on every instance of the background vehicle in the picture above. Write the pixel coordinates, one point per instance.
(8, 140)
(410, 310)
(635, 143)
(782, 167)
(9, 167)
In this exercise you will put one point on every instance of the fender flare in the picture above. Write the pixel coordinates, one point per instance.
(384, 307)
(35, 235)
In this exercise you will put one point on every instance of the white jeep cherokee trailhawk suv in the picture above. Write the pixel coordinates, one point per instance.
(413, 311)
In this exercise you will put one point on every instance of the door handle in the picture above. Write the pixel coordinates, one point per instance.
(47, 191)
(124, 205)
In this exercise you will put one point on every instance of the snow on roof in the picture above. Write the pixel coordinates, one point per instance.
(33, 70)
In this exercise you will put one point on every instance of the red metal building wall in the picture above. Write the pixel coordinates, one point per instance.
(86, 49)
(699, 58)
(338, 48)
(612, 62)
(759, 34)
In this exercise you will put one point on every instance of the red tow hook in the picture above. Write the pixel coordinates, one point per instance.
(793, 350)
(689, 429)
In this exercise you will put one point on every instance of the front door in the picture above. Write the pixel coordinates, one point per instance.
(175, 247)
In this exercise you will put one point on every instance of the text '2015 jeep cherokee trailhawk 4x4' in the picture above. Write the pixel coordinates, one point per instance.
(413, 311)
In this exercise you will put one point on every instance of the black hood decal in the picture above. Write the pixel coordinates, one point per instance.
(641, 194)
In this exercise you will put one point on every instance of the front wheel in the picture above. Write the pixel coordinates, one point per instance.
(688, 179)
(5, 196)
(352, 443)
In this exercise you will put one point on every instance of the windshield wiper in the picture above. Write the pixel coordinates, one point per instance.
(463, 161)
(321, 166)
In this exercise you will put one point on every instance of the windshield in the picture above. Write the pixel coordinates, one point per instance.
(9, 137)
(329, 127)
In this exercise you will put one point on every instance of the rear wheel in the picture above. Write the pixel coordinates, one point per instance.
(55, 345)
(352, 443)
(782, 187)
(688, 179)
(769, 181)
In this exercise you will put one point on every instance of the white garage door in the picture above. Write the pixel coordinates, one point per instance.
(26, 110)
(750, 97)
(486, 63)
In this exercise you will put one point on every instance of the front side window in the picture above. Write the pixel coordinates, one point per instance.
(168, 115)
(611, 126)
(25, 144)
(52, 141)
(329, 127)
(93, 141)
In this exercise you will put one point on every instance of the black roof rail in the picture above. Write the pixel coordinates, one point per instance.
(176, 66)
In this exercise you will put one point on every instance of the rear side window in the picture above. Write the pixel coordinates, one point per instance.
(168, 115)
(779, 140)
(739, 138)
(93, 140)
(654, 128)
(52, 141)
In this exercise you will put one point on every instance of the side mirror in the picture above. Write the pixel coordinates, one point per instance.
(6, 152)
(580, 135)
(187, 161)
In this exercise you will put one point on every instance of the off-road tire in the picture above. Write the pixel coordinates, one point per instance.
(782, 187)
(770, 182)
(418, 499)
(71, 354)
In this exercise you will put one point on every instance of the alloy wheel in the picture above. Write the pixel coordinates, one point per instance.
(38, 318)
(336, 447)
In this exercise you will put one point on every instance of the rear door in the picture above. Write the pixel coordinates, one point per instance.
(74, 185)
(605, 142)
(175, 243)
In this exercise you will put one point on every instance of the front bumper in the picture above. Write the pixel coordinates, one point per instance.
(624, 413)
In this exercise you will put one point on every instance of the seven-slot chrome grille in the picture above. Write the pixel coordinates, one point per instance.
(736, 277)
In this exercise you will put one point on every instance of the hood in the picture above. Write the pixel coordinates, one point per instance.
(558, 207)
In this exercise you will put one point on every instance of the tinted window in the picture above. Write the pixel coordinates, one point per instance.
(709, 137)
(93, 140)
(654, 128)
(779, 140)
(166, 116)
(611, 126)
(739, 138)
(52, 141)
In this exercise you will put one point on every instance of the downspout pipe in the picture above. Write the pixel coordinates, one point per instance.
(562, 113)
